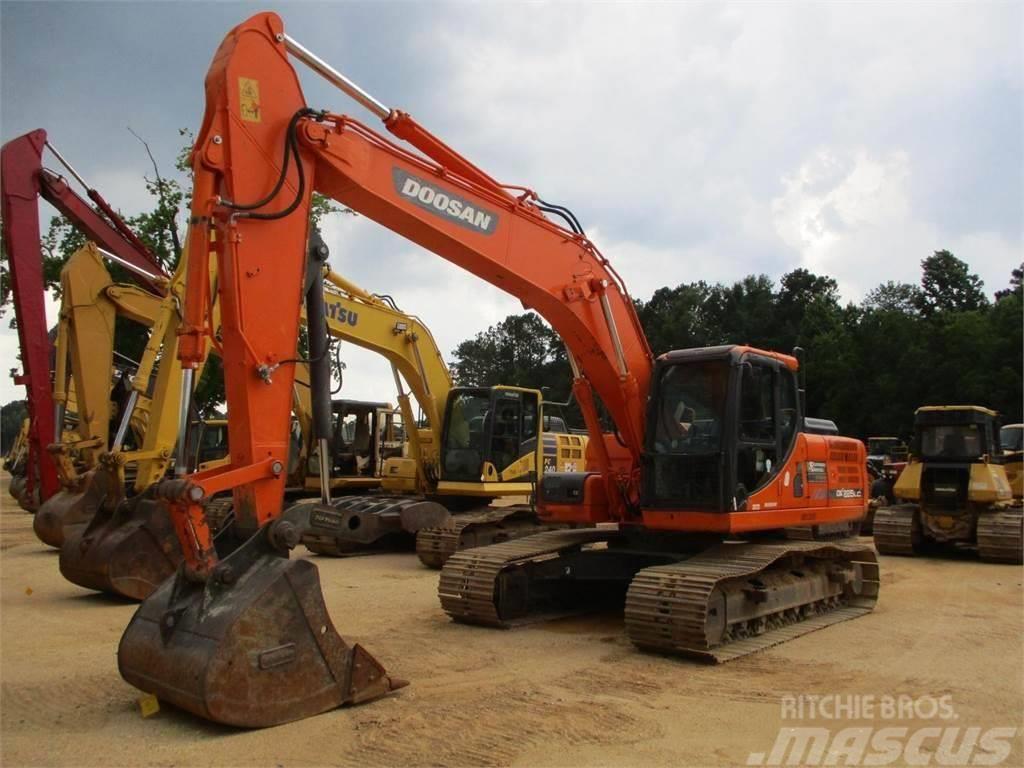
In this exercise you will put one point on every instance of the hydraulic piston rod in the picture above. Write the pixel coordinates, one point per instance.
(127, 265)
(122, 428)
(181, 460)
(333, 76)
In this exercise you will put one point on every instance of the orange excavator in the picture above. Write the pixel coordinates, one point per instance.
(708, 463)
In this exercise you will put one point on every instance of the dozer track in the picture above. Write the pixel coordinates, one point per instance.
(478, 529)
(897, 530)
(736, 599)
(1001, 536)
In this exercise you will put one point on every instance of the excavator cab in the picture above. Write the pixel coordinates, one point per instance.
(211, 442)
(358, 444)
(490, 437)
(722, 423)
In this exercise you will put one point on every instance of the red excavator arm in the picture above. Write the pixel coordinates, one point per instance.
(23, 180)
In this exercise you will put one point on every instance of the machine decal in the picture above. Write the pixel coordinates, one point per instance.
(325, 518)
(249, 100)
(443, 203)
(846, 493)
(337, 311)
(817, 472)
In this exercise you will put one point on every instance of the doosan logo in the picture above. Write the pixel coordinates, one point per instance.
(444, 203)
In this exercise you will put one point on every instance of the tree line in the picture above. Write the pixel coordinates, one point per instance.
(868, 365)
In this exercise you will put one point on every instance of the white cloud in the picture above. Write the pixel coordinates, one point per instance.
(693, 141)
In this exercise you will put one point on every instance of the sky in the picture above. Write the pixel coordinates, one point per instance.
(693, 141)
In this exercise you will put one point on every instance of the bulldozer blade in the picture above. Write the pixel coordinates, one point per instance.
(252, 646)
(68, 508)
(128, 553)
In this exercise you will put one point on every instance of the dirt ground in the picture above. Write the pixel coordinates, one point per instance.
(570, 693)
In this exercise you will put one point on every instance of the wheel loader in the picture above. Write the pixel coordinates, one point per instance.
(954, 492)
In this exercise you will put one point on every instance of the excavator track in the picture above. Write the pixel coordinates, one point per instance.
(736, 599)
(367, 524)
(825, 532)
(478, 529)
(471, 587)
(897, 530)
(1001, 536)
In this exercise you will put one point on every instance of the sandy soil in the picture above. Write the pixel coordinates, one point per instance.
(570, 693)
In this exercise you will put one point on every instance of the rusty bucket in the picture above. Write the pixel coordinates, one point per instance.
(251, 646)
(129, 550)
(71, 507)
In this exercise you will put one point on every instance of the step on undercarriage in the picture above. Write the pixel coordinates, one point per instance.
(714, 602)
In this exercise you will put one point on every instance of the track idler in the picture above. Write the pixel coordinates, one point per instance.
(252, 644)
(73, 507)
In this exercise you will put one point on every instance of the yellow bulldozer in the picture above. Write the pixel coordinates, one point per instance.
(955, 492)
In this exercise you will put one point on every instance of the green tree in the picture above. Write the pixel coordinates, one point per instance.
(948, 285)
(11, 416)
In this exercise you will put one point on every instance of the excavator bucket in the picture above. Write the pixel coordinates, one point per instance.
(128, 549)
(252, 646)
(69, 508)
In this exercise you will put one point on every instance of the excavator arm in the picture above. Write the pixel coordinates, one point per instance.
(260, 154)
(369, 321)
(23, 181)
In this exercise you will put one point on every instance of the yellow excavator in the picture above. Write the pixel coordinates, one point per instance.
(16, 461)
(954, 491)
(91, 304)
(470, 446)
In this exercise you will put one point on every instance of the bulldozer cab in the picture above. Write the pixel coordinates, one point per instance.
(955, 433)
(490, 437)
(884, 450)
(1011, 438)
(956, 459)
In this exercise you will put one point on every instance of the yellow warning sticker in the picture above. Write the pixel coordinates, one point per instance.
(149, 706)
(249, 99)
